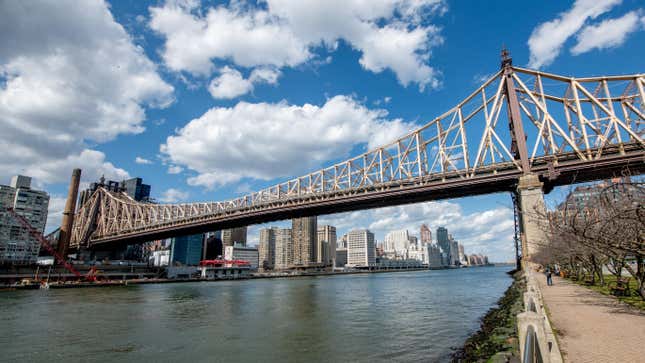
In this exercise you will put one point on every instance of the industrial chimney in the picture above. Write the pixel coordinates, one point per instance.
(68, 214)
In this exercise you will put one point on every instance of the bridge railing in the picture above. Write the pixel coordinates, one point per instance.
(537, 340)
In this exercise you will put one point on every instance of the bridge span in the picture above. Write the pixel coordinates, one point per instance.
(522, 131)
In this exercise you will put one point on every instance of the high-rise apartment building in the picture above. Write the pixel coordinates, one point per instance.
(283, 249)
(341, 257)
(462, 255)
(414, 241)
(132, 187)
(327, 238)
(342, 242)
(442, 235)
(454, 252)
(213, 246)
(266, 248)
(426, 234)
(136, 189)
(397, 242)
(434, 256)
(235, 235)
(443, 241)
(304, 235)
(360, 248)
(17, 246)
(187, 250)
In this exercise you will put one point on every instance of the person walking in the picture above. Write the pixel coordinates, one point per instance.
(549, 280)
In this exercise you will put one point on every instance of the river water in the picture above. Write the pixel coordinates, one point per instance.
(384, 317)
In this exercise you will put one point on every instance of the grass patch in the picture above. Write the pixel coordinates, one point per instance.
(496, 340)
(633, 299)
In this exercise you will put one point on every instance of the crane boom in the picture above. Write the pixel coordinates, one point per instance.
(45, 244)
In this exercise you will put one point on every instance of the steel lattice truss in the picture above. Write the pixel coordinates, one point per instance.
(563, 118)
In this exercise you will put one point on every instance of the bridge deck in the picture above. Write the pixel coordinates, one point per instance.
(503, 178)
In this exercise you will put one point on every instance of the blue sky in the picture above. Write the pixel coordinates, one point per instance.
(210, 100)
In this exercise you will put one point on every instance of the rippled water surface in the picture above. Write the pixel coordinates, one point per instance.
(404, 316)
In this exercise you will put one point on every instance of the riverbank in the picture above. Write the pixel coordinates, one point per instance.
(497, 340)
(129, 282)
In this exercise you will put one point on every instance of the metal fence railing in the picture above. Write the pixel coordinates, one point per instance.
(537, 341)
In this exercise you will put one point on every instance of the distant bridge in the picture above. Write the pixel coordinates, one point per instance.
(519, 122)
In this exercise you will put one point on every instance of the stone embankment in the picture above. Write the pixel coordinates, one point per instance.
(496, 340)
(519, 323)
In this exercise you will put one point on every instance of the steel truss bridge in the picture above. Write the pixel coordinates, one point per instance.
(520, 121)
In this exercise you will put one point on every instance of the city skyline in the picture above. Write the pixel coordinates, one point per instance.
(322, 180)
(267, 237)
(333, 80)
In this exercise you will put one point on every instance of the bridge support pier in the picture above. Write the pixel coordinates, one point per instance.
(533, 214)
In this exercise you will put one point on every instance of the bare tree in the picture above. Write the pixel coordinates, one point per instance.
(606, 228)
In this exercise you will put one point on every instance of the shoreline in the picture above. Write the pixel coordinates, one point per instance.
(496, 339)
(114, 283)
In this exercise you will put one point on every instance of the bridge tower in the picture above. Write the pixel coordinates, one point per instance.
(529, 196)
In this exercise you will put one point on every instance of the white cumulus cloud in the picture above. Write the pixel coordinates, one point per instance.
(143, 161)
(55, 212)
(92, 163)
(547, 39)
(250, 38)
(230, 83)
(173, 195)
(607, 34)
(389, 34)
(175, 169)
(69, 75)
(270, 140)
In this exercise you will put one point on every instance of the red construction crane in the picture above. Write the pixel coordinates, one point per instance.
(45, 244)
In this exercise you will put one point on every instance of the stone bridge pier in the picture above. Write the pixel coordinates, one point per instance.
(533, 218)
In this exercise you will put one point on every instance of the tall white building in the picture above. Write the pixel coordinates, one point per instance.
(283, 249)
(17, 246)
(462, 256)
(327, 245)
(417, 252)
(397, 242)
(360, 248)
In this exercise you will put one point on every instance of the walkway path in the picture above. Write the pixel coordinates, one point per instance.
(592, 327)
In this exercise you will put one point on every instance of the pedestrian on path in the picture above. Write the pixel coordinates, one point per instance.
(549, 280)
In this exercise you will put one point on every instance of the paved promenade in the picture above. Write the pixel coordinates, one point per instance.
(592, 327)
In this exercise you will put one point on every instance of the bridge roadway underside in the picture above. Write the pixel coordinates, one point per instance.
(565, 173)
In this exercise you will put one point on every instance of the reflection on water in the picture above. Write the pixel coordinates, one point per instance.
(405, 316)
